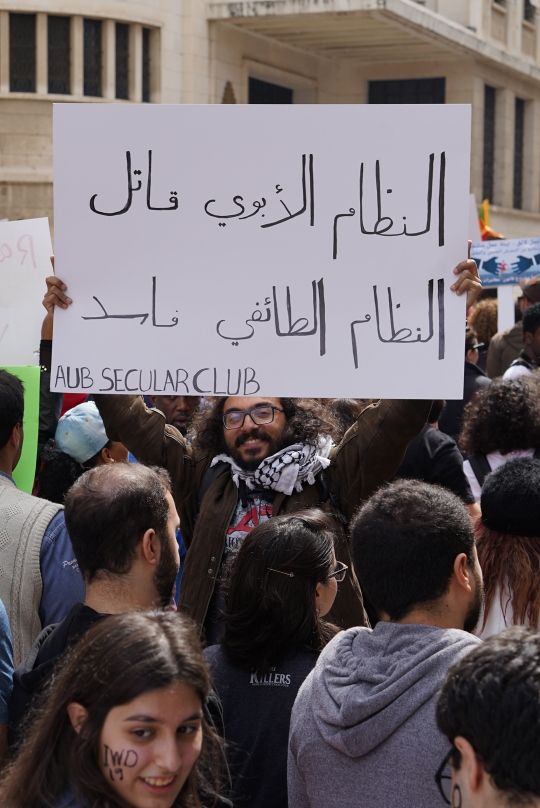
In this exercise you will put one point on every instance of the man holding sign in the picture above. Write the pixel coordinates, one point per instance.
(261, 266)
(257, 457)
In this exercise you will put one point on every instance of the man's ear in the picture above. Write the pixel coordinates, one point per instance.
(470, 770)
(77, 715)
(16, 437)
(150, 547)
(463, 572)
(105, 455)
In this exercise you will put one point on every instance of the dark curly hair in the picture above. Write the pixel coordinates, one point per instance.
(491, 698)
(503, 417)
(306, 420)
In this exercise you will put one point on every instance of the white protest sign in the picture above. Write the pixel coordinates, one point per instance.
(25, 261)
(270, 250)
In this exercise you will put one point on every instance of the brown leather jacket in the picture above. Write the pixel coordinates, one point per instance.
(368, 455)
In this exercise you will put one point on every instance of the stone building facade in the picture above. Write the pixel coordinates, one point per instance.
(482, 52)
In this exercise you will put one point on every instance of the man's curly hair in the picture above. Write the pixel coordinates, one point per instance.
(306, 420)
(503, 417)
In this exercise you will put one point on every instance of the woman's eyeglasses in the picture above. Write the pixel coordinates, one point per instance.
(339, 572)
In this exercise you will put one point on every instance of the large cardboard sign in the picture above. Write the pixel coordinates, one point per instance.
(269, 250)
(25, 261)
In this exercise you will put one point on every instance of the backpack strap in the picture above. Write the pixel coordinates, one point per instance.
(480, 466)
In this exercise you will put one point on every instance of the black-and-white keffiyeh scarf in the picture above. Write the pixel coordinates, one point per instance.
(286, 470)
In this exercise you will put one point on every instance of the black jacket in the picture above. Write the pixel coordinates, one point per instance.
(33, 675)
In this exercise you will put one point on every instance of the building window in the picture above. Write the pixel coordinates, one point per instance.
(22, 53)
(146, 64)
(93, 58)
(490, 95)
(519, 134)
(407, 91)
(122, 60)
(263, 92)
(529, 11)
(58, 55)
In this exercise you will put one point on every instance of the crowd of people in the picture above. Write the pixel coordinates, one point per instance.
(268, 602)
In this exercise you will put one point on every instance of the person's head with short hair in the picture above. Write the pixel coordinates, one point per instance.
(508, 540)
(502, 417)
(11, 420)
(531, 331)
(472, 346)
(283, 581)
(123, 514)
(178, 410)
(530, 293)
(251, 428)
(123, 723)
(489, 709)
(414, 554)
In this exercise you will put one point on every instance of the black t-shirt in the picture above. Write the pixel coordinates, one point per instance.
(433, 456)
(256, 716)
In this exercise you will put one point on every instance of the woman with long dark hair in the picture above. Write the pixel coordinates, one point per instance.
(123, 724)
(282, 584)
(508, 541)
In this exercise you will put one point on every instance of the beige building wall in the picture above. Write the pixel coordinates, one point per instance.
(26, 118)
(206, 51)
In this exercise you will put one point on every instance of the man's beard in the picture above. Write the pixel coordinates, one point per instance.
(165, 573)
(475, 609)
(259, 433)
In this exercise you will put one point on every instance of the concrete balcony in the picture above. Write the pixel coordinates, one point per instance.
(369, 31)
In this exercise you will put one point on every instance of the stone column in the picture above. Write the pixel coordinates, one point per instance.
(77, 55)
(109, 59)
(135, 63)
(4, 51)
(504, 148)
(42, 68)
(531, 157)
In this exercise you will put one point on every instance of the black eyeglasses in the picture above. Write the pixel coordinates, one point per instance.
(339, 572)
(260, 414)
(443, 777)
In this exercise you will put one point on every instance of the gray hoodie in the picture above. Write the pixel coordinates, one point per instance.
(363, 730)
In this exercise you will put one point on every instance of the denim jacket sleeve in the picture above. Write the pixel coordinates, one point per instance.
(63, 585)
